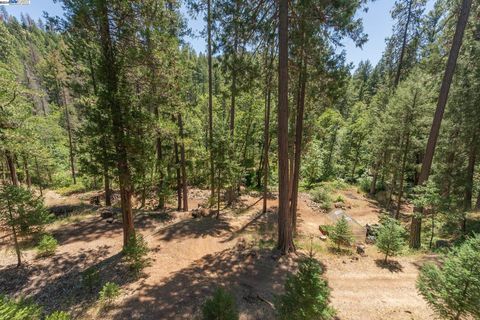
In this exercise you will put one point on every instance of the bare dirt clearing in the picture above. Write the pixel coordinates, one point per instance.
(190, 257)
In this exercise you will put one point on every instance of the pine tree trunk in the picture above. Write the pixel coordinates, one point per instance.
(183, 165)
(110, 99)
(285, 231)
(11, 167)
(266, 134)
(298, 138)
(415, 229)
(210, 97)
(27, 172)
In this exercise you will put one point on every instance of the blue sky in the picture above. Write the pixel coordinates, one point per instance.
(377, 24)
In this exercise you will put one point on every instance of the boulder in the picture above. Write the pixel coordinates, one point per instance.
(200, 212)
(108, 212)
(361, 249)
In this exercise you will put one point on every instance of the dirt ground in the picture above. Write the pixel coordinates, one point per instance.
(191, 257)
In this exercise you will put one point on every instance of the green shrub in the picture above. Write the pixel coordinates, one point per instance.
(47, 246)
(91, 279)
(306, 295)
(364, 183)
(322, 196)
(135, 253)
(339, 184)
(339, 198)
(342, 234)
(453, 291)
(390, 238)
(109, 293)
(221, 306)
(58, 315)
(11, 309)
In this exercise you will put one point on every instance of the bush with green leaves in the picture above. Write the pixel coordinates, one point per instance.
(390, 238)
(19, 309)
(453, 290)
(109, 293)
(58, 315)
(221, 306)
(341, 233)
(321, 195)
(306, 294)
(135, 253)
(47, 246)
(22, 212)
(365, 183)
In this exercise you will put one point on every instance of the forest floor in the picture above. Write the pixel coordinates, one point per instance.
(191, 257)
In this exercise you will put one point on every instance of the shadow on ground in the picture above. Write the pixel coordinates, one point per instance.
(391, 265)
(56, 283)
(254, 277)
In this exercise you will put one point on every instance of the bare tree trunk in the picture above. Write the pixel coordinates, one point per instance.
(160, 193)
(415, 231)
(285, 231)
(210, 96)
(11, 167)
(183, 165)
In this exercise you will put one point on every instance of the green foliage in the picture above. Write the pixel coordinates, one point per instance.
(339, 198)
(79, 187)
(306, 294)
(11, 309)
(21, 209)
(323, 197)
(110, 291)
(135, 253)
(342, 234)
(47, 246)
(390, 238)
(90, 278)
(221, 306)
(364, 183)
(58, 315)
(453, 291)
